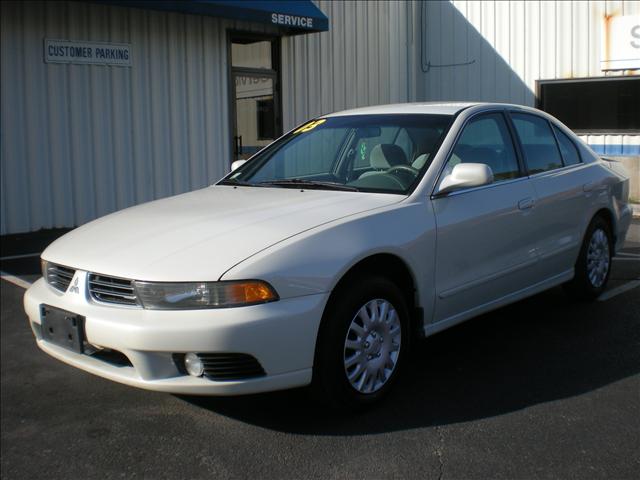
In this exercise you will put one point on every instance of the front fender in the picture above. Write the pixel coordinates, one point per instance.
(314, 261)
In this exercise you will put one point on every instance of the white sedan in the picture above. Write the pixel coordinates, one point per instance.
(319, 260)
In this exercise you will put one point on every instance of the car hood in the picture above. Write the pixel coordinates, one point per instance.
(199, 235)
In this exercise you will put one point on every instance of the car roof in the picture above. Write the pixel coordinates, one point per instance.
(436, 108)
(446, 108)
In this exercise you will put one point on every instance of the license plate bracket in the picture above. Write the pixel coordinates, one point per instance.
(62, 328)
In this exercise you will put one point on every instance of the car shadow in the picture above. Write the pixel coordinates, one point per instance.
(539, 350)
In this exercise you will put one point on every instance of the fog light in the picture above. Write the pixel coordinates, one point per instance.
(193, 365)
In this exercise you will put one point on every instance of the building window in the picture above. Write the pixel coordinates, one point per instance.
(599, 105)
(266, 119)
(255, 87)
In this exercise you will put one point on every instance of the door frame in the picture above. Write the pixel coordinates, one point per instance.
(275, 72)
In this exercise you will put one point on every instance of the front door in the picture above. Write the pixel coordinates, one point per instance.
(255, 94)
(486, 237)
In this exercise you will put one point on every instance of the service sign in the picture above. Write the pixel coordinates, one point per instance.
(620, 48)
(291, 20)
(91, 53)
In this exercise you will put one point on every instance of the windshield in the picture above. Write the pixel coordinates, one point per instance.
(375, 153)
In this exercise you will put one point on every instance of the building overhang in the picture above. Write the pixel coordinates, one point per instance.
(290, 17)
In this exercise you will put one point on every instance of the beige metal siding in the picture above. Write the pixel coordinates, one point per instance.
(81, 141)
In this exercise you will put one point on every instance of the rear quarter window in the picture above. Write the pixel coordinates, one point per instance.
(568, 149)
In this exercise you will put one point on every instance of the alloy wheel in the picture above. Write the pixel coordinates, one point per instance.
(598, 260)
(372, 346)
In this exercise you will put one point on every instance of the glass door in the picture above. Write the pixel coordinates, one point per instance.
(255, 100)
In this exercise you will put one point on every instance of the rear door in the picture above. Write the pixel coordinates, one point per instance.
(485, 237)
(563, 188)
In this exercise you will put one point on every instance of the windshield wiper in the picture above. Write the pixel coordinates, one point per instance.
(310, 184)
(236, 182)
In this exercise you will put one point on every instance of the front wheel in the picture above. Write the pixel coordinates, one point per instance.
(363, 339)
(593, 266)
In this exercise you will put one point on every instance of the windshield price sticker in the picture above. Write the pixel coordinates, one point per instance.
(363, 151)
(310, 126)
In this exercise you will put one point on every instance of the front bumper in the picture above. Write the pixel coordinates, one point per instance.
(280, 335)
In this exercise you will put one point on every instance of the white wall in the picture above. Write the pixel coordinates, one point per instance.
(386, 52)
(511, 44)
(81, 141)
(366, 58)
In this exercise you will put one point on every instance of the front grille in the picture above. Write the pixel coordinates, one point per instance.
(230, 366)
(112, 290)
(59, 277)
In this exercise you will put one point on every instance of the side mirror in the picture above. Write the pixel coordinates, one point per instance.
(465, 175)
(237, 163)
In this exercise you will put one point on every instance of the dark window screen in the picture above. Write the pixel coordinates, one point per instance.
(266, 119)
(594, 106)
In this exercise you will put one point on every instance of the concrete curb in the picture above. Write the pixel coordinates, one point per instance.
(635, 207)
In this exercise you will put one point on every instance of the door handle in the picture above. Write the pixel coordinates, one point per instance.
(589, 186)
(526, 203)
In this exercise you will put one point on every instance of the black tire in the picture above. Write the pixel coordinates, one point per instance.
(582, 287)
(330, 384)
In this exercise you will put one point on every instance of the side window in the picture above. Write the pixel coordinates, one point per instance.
(540, 148)
(568, 149)
(486, 139)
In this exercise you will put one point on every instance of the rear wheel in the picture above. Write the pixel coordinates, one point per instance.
(363, 339)
(593, 266)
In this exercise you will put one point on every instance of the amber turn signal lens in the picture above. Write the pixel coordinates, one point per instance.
(253, 292)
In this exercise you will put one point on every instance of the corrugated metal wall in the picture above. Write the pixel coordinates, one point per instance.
(80, 141)
(366, 58)
(501, 48)
(482, 50)
(508, 45)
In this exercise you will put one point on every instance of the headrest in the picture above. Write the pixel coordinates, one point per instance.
(386, 155)
(420, 162)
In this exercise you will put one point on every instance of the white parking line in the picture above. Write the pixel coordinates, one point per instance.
(626, 254)
(15, 280)
(24, 255)
(614, 292)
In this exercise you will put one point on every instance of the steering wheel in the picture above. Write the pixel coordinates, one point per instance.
(404, 169)
(404, 173)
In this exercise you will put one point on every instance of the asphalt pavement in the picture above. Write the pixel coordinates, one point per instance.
(544, 388)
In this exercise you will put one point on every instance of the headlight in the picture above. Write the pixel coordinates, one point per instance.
(191, 295)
